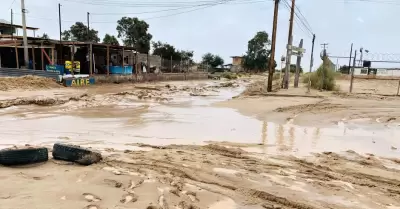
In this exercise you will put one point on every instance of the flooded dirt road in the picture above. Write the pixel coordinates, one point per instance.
(189, 144)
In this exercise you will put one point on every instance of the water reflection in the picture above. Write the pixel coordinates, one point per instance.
(193, 122)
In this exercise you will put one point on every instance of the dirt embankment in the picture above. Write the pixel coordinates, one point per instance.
(315, 108)
(212, 176)
(27, 83)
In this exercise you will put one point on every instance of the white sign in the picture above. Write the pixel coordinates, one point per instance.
(296, 49)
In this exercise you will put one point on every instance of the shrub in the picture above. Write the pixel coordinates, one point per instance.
(323, 78)
(229, 76)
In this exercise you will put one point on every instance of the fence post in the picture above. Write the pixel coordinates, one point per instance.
(171, 64)
(148, 63)
(108, 60)
(352, 71)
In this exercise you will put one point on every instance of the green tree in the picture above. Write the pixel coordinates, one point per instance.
(258, 52)
(109, 39)
(134, 33)
(212, 60)
(44, 36)
(167, 51)
(292, 68)
(79, 32)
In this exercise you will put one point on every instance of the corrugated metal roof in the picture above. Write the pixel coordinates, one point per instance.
(4, 21)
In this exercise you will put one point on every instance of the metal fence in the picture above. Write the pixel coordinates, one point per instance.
(14, 72)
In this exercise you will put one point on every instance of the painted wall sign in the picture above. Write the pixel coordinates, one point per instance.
(74, 82)
(55, 68)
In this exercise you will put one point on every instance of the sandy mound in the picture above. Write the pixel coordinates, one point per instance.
(27, 83)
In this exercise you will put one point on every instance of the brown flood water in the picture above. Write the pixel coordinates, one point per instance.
(116, 121)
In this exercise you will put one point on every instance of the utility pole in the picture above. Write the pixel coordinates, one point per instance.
(26, 55)
(352, 71)
(311, 62)
(351, 52)
(272, 57)
(289, 45)
(59, 23)
(59, 19)
(298, 63)
(324, 45)
(12, 25)
(88, 26)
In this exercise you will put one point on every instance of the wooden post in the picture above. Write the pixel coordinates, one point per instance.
(171, 64)
(108, 60)
(52, 55)
(73, 59)
(33, 57)
(136, 64)
(16, 55)
(123, 56)
(352, 71)
(41, 56)
(148, 63)
(90, 59)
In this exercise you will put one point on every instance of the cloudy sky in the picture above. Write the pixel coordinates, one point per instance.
(226, 28)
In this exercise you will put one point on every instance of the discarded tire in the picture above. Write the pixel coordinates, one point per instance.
(23, 156)
(73, 153)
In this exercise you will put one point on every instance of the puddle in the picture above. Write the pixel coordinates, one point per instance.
(185, 120)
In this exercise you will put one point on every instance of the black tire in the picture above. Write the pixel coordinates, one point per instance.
(73, 153)
(23, 156)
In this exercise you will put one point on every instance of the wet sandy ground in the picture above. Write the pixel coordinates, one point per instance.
(283, 152)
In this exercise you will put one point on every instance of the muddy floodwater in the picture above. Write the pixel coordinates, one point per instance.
(203, 144)
(109, 120)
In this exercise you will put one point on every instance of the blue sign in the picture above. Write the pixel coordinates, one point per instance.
(55, 68)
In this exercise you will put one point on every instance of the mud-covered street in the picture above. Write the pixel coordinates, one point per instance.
(204, 144)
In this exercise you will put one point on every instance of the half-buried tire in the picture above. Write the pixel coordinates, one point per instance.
(23, 156)
(73, 153)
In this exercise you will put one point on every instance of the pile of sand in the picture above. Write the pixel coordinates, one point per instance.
(27, 83)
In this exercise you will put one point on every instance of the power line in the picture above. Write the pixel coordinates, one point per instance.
(12, 3)
(302, 25)
(160, 11)
(232, 2)
(142, 4)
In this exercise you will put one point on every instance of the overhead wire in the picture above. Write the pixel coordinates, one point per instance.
(196, 7)
(12, 3)
(300, 23)
(234, 2)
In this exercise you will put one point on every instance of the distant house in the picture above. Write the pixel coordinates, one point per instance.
(7, 29)
(237, 60)
(236, 63)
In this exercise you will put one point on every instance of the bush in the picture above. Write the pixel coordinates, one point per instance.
(229, 76)
(323, 78)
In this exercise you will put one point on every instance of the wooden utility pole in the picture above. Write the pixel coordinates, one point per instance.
(88, 26)
(298, 63)
(59, 25)
(351, 52)
(25, 37)
(311, 63)
(352, 71)
(289, 45)
(272, 57)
